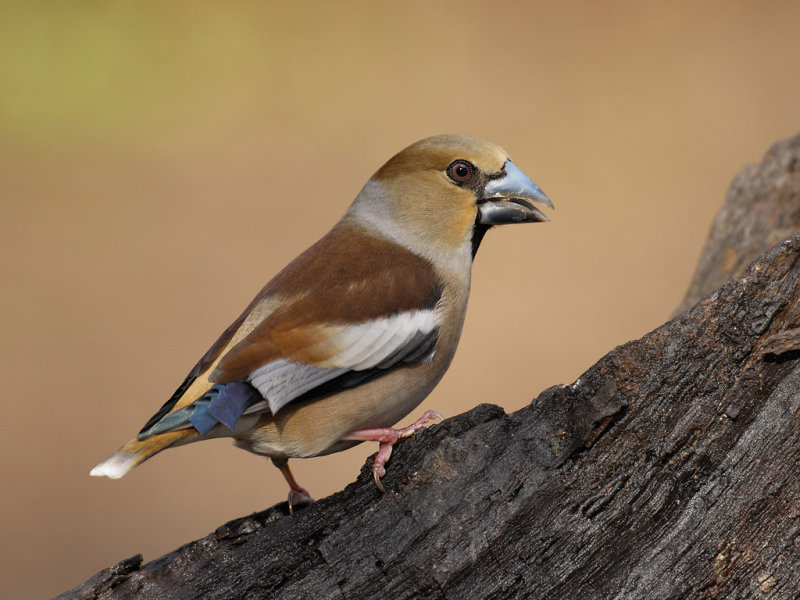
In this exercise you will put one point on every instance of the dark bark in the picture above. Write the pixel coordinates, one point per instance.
(668, 470)
(762, 208)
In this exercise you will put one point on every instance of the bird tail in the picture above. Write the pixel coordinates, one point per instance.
(136, 452)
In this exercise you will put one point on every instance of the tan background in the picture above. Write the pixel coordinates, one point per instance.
(158, 163)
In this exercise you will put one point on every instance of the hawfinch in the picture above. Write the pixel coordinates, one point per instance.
(356, 331)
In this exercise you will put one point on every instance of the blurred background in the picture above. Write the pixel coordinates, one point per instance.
(159, 162)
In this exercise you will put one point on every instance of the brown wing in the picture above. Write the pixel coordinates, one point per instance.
(348, 277)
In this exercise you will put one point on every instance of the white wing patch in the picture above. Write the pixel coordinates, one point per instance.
(367, 344)
(281, 381)
(362, 346)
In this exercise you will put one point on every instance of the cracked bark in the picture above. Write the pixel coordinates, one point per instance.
(668, 470)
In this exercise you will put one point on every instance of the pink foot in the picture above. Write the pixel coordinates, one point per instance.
(297, 494)
(387, 437)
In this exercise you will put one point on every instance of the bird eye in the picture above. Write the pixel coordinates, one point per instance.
(460, 171)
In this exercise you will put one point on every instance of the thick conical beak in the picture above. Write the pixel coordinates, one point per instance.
(510, 198)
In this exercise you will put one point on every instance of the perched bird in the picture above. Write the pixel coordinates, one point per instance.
(356, 331)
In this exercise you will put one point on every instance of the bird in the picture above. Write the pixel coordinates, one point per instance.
(355, 332)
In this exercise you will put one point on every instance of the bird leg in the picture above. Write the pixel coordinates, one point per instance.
(387, 437)
(297, 494)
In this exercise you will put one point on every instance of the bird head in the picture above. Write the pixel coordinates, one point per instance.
(443, 193)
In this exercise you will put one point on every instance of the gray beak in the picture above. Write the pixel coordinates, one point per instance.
(510, 199)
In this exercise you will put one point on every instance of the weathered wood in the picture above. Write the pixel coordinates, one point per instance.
(668, 470)
(761, 209)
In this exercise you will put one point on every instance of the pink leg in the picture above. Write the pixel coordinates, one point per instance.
(297, 494)
(387, 438)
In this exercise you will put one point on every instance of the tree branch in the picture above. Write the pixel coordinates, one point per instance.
(761, 209)
(668, 470)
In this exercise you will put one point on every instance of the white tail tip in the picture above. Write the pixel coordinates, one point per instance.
(115, 466)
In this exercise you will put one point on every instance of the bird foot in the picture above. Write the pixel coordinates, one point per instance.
(297, 494)
(388, 437)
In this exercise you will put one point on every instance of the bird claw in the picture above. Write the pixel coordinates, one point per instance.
(433, 414)
(377, 472)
